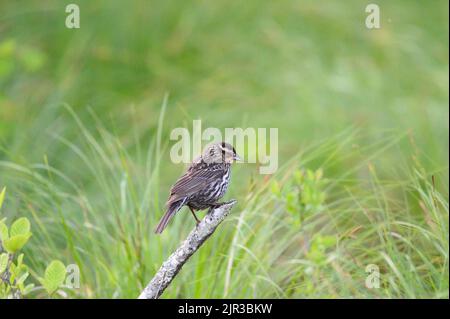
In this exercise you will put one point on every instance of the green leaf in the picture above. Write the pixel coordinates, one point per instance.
(299, 176)
(13, 273)
(3, 262)
(28, 289)
(291, 202)
(2, 196)
(328, 241)
(3, 231)
(22, 278)
(275, 188)
(15, 243)
(20, 260)
(20, 227)
(54, 276)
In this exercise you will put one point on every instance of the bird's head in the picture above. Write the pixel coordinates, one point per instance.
(220, 153)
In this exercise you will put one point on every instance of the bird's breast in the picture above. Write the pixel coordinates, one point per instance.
(212, 192)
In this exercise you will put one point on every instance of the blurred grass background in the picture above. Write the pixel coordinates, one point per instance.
(366, 111)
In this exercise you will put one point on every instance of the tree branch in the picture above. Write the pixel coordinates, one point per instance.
(196, 238)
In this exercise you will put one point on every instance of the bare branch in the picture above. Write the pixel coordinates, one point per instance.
(196, 238)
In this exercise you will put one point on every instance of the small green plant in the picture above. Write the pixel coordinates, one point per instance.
(13, 272)
(303, 195)
(318, 250)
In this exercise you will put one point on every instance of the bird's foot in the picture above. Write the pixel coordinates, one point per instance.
(217, 205)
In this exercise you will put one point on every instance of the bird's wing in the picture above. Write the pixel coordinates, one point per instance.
(193, 181)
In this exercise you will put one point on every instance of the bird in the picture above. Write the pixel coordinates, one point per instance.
(203, 184)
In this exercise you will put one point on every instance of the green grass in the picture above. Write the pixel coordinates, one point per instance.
(399, 224)
(85, 118)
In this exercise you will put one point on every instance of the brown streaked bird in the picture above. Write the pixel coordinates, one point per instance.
(204, 183)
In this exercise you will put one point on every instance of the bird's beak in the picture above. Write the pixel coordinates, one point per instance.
(237, 158)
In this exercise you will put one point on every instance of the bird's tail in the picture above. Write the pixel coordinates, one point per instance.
(171, 211)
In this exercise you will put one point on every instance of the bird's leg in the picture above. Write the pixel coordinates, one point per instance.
(193, 214)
